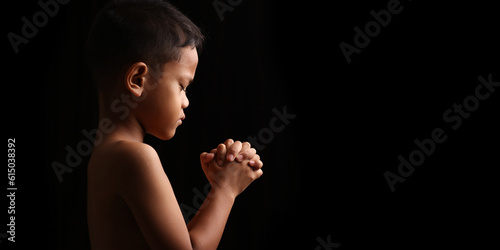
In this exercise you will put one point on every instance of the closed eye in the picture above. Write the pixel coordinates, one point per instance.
(182, 80)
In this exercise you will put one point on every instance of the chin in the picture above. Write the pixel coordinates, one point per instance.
(164, 135)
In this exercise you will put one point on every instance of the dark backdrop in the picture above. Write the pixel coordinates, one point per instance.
(324, 172)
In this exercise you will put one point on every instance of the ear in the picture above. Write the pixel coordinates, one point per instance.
(135, 78)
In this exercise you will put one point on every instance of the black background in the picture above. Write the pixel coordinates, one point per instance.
(324, 172)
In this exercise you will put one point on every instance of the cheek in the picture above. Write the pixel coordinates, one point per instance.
(168, 106)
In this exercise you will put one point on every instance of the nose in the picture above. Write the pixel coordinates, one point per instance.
(185, 102)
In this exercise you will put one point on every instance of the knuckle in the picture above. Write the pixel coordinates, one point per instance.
(259, 173)
(234, 148)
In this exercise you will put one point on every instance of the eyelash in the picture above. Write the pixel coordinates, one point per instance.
(183, 88)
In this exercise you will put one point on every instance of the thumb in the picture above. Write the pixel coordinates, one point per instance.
(206, 157)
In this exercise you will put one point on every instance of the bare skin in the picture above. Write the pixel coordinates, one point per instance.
(131, 204)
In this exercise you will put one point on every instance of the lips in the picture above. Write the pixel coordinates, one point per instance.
(182, 118)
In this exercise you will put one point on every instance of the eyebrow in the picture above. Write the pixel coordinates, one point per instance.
(188, 78)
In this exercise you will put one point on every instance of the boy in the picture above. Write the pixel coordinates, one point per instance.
(144, 54)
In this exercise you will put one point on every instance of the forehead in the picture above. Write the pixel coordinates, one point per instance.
(189, 56)
(187, 64)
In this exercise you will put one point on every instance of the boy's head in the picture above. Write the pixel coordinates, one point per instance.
(144, 50)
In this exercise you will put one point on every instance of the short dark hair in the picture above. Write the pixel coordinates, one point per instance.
(129, 31)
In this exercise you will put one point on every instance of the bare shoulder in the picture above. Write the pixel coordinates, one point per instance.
(124, 162)
(135, 153)
(126, 152)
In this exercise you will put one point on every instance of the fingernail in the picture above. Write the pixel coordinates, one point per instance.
(239, 157)
(252, 162)
(230, 157)
(220, 162)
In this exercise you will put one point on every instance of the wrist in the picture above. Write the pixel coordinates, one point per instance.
(222, 193)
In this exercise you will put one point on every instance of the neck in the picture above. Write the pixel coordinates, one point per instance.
(121, 125)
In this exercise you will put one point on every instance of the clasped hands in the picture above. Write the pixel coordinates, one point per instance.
(231, 167)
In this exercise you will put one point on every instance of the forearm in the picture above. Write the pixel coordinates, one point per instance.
(207, 226)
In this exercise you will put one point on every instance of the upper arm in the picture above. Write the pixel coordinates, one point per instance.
(146, 189)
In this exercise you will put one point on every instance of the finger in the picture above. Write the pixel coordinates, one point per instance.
(202, 156)
(233, 150)
(206, 157)
(256, 157)
(246, 154)
(256, 164)
(229, 142)
(245, 145)
(204, 163)
(257, 174)
(221, 154)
